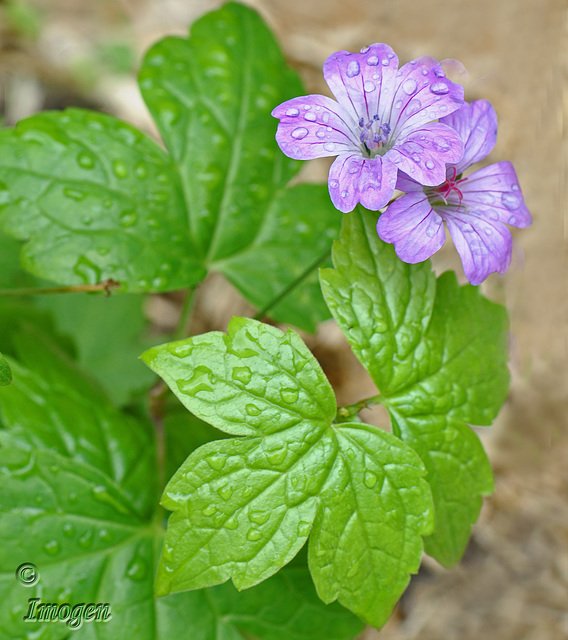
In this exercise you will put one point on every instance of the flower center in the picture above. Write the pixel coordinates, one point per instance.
(445, 190)
(374, 136)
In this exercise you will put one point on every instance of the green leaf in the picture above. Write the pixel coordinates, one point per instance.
(296, 232)
(438, 354)
(55, 406)
(95, 199)
(109, 332)
(244, 507)
(211, 96)
(84, 529)
(5, 372)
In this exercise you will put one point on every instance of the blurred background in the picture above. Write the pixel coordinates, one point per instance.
(513, 581)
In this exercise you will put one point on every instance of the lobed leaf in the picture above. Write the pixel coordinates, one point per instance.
(69, 488)
(94, 199)
(438, 354)
(243, 507)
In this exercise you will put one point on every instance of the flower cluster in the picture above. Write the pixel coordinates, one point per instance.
(409, 129)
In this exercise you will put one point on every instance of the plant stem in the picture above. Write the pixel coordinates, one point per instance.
(185, 317)
(107, 286)
(348, 412)
(293, 285)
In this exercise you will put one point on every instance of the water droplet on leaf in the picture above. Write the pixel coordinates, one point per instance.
(86, 161)
(252, 410)
(52, 547)
(242, 374)
(253, 535)
(370, 479)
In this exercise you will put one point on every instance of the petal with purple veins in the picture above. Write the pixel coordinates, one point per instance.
(414, 228)
(314, 127)
(424, 153)
(476, 124)
(423, 94)
(484, 246)
(495, 193)
(363, 83)
(353, 179)
(406, 184)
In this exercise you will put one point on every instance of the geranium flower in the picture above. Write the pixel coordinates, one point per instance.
(476, 208)
(381, 122)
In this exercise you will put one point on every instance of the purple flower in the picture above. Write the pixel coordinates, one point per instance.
(476, 208)
(380, 123)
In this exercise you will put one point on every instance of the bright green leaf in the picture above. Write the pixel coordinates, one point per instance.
(243, 507)
(95, 199)
(5, 372)
(84, 530)
(438, 354)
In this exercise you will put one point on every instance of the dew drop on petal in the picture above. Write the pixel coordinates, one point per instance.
(365, 49)
(430, 164)
(398, 104)
(353, 69)
(409, 86)
(488, 231)
(510, 201)
(325, 117)
(515, 187)
(299, 133)
(369, 86)
(439, 88)
(333, 184)
(320, 133)
(512, 220)
(385, 62)
(310, 116)
(439, 73)
(416, 157)
(373, 61)
(329, 146)
(344, 194)
(424, 72)
(292, 113)
(432, 229)
(441, 144)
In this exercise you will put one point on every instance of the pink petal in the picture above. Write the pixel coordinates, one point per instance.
(314, 127)
(363, 83)
(495, 194)
(423, 154)
(423, 94)
(413, 226)
(476, 124)
(353, 179)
